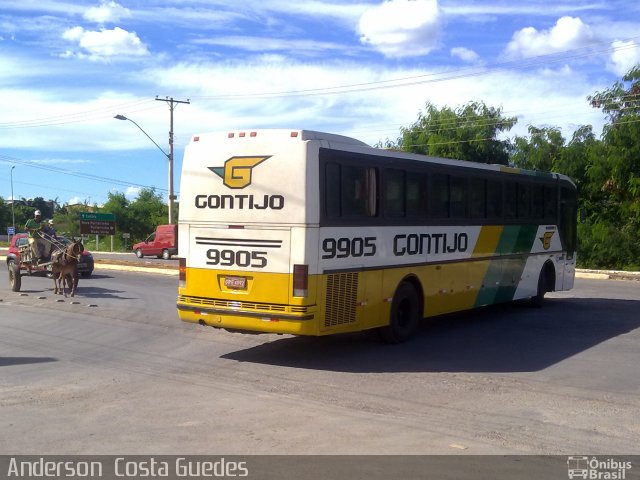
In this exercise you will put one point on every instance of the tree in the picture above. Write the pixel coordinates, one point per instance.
(540, 151)
(147, 211)
(5, 215)
(118, 204)
(622, 99)
(468, 133)
(612, 198)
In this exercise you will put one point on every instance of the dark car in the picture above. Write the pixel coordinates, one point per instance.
(85, 262)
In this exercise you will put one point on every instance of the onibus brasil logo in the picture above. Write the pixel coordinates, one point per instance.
(236, 172)
(597, 469)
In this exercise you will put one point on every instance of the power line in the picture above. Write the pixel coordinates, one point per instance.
(431, 77)
(71, 117)
(73, 173)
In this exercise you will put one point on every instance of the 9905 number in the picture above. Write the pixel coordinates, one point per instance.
(348, 247)
(240, 258)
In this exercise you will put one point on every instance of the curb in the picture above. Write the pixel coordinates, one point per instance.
(607, 274)
(135, 268)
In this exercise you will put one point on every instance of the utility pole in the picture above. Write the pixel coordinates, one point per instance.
(172, 104)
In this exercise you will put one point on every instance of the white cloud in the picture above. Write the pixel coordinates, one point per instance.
(402, 28)
(465, 54)
(106, 12)
(568, 33)
(104, 43)
(625, 56)
(132, 192)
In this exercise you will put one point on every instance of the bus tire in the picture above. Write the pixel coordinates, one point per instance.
(15, 280)
(405, 315)
(538, 299)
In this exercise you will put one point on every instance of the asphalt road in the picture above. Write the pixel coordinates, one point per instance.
(117, 373)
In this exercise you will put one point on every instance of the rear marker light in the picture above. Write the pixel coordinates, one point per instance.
(294, 134)
(253, 134)
(300, 280)
(182, 273)
(230, 135)
(241, 134)
(196, 139)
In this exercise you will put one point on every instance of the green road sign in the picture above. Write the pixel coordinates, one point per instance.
(101, 217)
(97, 223)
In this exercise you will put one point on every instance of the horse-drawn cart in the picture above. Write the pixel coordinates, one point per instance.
(62, 259)
(26, 264)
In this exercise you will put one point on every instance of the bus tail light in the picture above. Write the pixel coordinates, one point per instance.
(300, 280)
(182, 273)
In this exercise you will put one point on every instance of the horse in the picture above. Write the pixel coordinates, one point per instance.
(65, 268)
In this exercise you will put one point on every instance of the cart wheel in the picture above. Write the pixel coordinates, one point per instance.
(15, 280)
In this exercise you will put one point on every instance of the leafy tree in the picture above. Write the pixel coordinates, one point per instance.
(540, 151)
(147, 211)
(612, 177)
(467, 133)
(5, 215)
(45, 207)
(622, 99)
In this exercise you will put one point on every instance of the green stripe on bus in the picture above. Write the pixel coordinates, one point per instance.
(498, 283)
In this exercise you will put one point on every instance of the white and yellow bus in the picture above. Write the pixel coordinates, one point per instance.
(309, 233)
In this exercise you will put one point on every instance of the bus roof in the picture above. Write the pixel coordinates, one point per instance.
(348, 143)
(282, 134)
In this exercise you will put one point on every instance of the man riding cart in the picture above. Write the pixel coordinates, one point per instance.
(42, 238)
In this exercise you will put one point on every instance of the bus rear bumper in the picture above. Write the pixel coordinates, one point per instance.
(303, 324)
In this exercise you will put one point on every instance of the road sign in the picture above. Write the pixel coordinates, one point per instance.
(11, 230)
(97, 223)
(100, 217)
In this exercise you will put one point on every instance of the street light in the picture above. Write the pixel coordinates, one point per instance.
(169, 157)
(13, 202)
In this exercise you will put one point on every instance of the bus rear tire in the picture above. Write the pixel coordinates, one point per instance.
(537, 301)
(405, 315)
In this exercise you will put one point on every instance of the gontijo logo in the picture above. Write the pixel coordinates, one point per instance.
(546, 240)
(236, 172)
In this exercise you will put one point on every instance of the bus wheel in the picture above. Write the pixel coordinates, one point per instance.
(405, 315)
(15, 280)
(538, 299)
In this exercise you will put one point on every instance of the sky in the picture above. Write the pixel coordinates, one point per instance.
(362, 69)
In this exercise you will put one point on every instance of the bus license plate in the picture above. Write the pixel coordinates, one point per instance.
(237, 283)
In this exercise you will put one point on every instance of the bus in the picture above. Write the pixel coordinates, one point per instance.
(308, 233)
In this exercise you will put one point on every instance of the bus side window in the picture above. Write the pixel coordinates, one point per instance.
(538, 202)
(458, 199)
(551, 204)
(510, 200)
(494, 199)
(477, 198)
(524, 201)
(333, 190)
(439, 201)
(394, 193)
(417, 193)
(359, 191)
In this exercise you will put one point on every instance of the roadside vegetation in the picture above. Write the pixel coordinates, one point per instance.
(606, 171)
